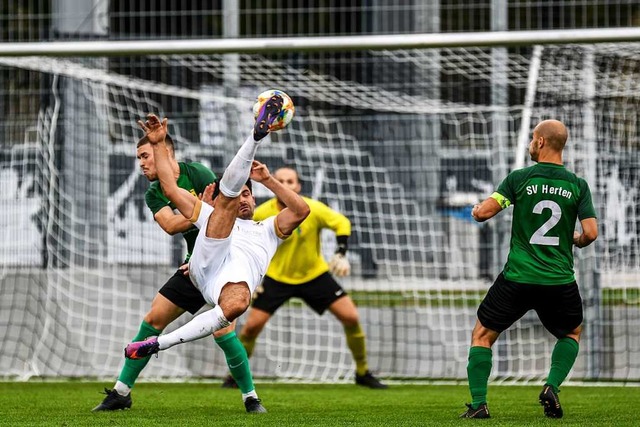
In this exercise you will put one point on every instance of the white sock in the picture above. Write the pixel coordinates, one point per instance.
(237, 173)
(199, 327)
(122, 388)
(252, 393)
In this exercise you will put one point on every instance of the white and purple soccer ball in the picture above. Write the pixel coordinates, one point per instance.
(286, 114)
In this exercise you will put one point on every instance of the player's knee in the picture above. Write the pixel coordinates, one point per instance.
(575, 334)
(251, 330)
(155, 320)
(234, 300)
(483, 337)
(234, 309)
(350, 319)
(481, 341)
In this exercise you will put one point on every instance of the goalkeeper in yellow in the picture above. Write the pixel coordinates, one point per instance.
(299, 270)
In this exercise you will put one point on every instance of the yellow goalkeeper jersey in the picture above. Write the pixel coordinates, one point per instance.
(299, 259)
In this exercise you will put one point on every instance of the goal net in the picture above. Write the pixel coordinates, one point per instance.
(403, 142)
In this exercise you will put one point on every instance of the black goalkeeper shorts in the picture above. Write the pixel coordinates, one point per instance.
(559, 307)
(318, 293)
(180, 291)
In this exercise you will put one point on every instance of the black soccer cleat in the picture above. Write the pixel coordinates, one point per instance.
(368, 380)
(266, 116)
(229, 382)
(550, 402)
(254, 406)
(482, 411)
(113, 401)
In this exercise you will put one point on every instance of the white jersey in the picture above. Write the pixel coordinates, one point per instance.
(242, 257)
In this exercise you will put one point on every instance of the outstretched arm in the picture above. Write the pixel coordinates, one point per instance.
(156, 131)
(296, 208)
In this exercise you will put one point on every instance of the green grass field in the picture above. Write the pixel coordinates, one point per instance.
(160, 404)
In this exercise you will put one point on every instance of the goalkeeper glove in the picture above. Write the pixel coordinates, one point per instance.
(339, 265)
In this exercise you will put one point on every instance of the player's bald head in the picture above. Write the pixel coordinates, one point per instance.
(554, 133)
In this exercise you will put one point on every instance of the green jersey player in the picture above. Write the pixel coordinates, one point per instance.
(178, 294)
(539, 274)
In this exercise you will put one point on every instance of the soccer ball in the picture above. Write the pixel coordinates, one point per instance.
(286, 114)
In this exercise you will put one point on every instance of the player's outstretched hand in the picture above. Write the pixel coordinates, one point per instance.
(339, 265)
(207, 195)
(154, 130)
(259, 172)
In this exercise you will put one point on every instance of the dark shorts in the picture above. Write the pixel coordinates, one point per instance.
(318, 293)
(559, 307)
(180, 291)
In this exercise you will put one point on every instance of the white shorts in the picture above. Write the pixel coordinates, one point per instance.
(215, 262)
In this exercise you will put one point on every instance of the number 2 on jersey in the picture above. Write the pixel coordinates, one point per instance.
(539, 238)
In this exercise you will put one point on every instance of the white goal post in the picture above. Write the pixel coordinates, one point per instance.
(319, 44)
(402, 133)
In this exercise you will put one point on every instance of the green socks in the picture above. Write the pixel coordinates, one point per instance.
(563, 357)
(237, 360)
(479, 368)
(358, 347)
(234, 352)
(478, 371)
(132, 368)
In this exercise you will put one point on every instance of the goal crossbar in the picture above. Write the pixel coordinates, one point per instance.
(311, 44)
